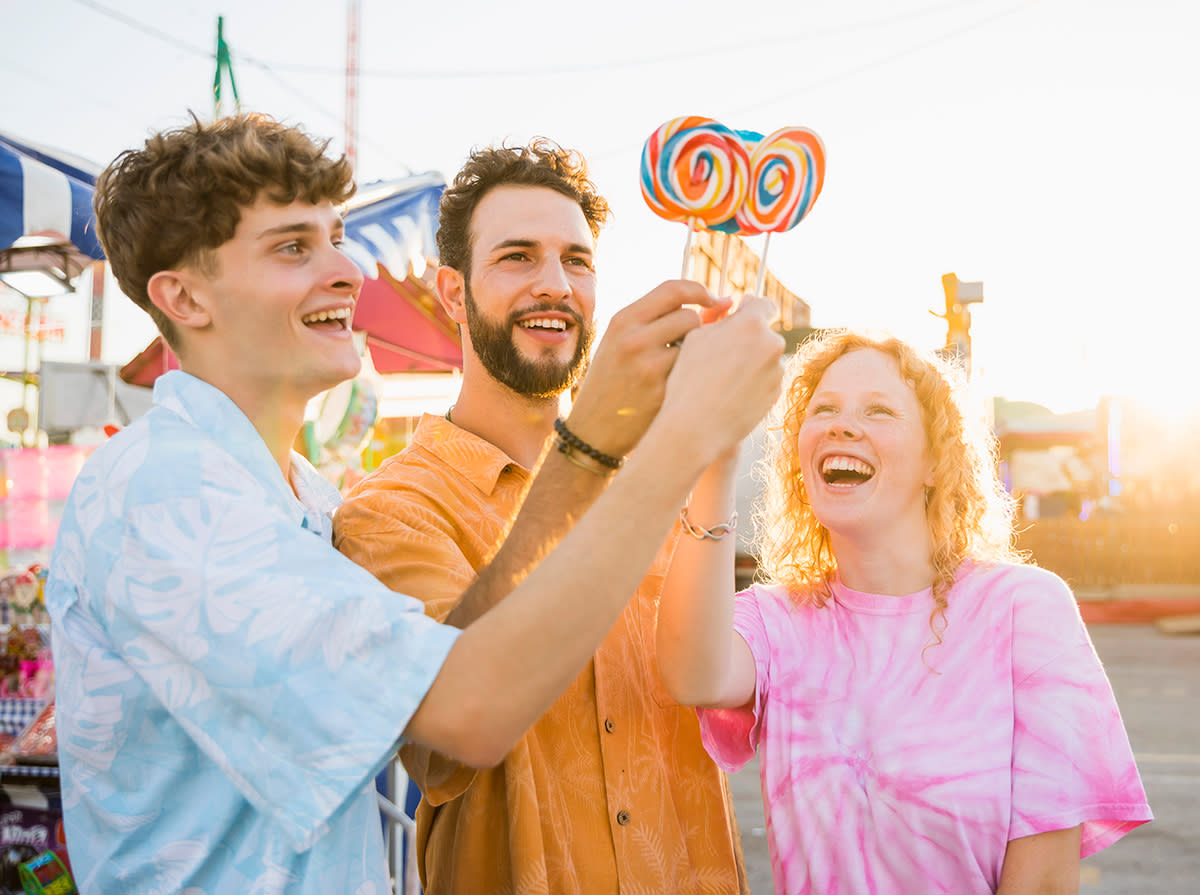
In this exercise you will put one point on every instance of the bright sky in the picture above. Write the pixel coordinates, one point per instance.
(1046, 148)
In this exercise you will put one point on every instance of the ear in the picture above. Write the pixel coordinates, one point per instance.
(452, 293)
(173, 293)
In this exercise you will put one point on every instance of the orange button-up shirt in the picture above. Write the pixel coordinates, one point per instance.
(611, 791)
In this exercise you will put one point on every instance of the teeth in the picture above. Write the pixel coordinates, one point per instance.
(847, 464)
(334, 314)
(544, 323)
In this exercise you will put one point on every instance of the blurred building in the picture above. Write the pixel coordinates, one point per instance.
(712, 251)
(1109, 497)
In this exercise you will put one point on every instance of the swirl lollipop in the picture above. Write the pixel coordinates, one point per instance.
(694, 170)
(787, 170)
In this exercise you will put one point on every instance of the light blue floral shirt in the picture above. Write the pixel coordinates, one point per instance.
(228, 684)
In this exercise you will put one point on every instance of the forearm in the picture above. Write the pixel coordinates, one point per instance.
(560, 494)
(695, 616)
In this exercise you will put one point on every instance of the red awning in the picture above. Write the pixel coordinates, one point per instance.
(154, 360)
(407, 329)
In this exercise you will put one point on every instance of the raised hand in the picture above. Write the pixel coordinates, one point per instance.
(627, 377)
(726, 378)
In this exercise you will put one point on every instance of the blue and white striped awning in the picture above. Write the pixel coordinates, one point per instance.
(394, 224)
(43, 192)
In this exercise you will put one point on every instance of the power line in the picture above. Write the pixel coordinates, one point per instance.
(139, 25)
(266, 68)
(756, 44)
(425, 73)
(271, 68)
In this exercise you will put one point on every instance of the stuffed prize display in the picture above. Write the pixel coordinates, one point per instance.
(343, 425)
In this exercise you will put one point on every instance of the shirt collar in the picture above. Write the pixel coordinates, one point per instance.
(212, 411)
(476, 459)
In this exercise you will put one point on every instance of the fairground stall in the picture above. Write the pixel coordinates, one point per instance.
(47, 240)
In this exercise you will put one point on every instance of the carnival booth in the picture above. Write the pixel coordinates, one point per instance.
(47, 239)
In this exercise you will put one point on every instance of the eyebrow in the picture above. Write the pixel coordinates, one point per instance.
(338, 228)
(829, 394)
(573, 248)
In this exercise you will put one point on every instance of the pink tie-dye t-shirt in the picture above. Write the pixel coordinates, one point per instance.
(891, 768)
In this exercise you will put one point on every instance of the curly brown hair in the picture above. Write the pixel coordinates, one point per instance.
(969, 513)
(180, 196)
(541, 163)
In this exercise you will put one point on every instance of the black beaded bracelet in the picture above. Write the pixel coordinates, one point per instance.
(577, 443)
(579, 460)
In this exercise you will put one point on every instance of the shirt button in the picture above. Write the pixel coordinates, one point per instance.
(609, 727)
(622, 817)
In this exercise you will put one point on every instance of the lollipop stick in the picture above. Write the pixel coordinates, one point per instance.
(724, 263)
(687, 254)
(762, 266)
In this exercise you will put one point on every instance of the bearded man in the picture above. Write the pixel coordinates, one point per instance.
(611, 790)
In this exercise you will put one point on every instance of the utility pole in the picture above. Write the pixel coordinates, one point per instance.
(352, 83)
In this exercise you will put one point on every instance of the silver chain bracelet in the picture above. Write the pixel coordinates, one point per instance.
(699, 532)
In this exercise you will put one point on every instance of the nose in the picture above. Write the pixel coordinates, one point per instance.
(343, 274)
(842, 428)
(552, 281)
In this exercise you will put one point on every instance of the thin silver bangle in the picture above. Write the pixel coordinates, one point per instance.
(699, 532)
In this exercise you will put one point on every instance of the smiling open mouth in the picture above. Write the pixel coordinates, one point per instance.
(335, 319)
(846, 471)
(549, 324)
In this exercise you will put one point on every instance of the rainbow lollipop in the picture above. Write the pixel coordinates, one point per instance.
(694, 170)
(787, 171)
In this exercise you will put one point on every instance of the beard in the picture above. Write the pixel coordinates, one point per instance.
(496, 350)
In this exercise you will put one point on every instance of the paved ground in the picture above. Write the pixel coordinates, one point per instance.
(1157, 682)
